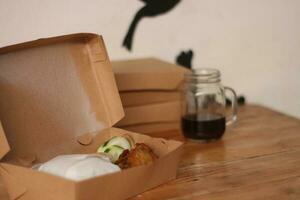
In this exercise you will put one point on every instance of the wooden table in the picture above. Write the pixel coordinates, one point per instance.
(258, 158)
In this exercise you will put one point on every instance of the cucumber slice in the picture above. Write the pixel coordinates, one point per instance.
(114, 151)
(119, 141)
(115, 147)
(103, 147)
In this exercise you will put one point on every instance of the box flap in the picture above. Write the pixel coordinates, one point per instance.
(147, 74)
(4, 147)
(55, 90)
(13, 186)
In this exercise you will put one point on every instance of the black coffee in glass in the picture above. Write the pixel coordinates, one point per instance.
(203, 126)
(204, 113)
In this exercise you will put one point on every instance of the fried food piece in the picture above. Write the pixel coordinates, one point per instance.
(142, 154)
(122, 162)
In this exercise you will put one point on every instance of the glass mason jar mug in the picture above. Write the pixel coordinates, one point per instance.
(204, 113)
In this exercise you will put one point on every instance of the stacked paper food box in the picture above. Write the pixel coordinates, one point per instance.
(150, 94)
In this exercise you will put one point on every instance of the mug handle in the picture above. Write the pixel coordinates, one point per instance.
(233, 116)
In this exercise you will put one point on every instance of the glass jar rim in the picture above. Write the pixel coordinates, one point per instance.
(203, 75)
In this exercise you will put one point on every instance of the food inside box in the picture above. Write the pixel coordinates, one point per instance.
(119, 152)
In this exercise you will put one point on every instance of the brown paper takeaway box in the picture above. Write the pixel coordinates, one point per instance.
(140, 98)
(149, 86)
(147, 81)
(152, 113)
(147, 74)
(58, 96)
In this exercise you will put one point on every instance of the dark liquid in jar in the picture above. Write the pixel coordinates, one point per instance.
(203, 126)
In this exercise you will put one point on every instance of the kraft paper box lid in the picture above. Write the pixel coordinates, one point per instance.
(53, 90)
(147, 74)
(59, 96)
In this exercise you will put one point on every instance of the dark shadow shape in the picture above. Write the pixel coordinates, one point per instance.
(241, 100)
(185, 59)
(152, 8)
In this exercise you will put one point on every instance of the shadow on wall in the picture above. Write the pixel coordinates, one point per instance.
(152, 8)
(185, 59)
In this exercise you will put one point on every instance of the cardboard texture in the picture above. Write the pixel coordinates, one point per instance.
(4, 147)
(153, 127)
(139, 98)
(161, 112)
(147, 74)
(58, 96)
(152, 87)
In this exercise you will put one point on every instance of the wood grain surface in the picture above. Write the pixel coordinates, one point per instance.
(258, 158)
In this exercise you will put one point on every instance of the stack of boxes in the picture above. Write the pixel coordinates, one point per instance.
(150, 94)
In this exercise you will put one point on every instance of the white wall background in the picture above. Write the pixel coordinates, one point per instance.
(255, 43)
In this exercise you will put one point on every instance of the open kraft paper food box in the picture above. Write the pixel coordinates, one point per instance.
(58, 96)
